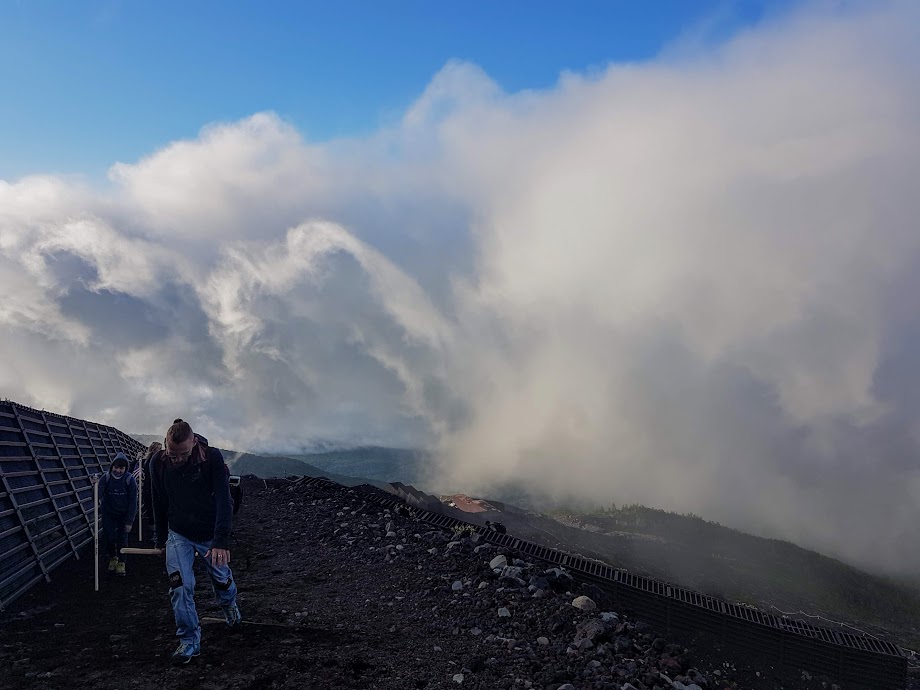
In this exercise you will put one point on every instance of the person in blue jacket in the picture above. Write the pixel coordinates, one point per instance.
(118, 506)
(193, 514)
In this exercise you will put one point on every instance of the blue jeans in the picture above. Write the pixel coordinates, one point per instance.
(180, 561)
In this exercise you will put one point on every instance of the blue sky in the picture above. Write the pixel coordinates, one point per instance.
(86, 84)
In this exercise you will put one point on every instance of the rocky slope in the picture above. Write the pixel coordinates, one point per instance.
(339, 593)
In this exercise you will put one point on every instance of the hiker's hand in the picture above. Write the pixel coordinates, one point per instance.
(219, 557)
(94, 478)
(128, 527)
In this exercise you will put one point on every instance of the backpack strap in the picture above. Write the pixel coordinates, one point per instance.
(202, 449)
(156, 465)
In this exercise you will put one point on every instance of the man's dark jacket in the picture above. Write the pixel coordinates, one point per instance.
(193, 498)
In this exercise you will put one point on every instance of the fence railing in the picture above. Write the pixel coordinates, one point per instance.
(856, 660)
(46, 498)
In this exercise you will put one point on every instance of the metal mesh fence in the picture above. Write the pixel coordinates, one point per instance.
(856, 660)
(46, 498)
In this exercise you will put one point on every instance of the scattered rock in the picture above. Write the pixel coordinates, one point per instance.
(424, 616)
(584, 603)
(498, 562)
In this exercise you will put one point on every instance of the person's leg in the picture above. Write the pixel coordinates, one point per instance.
(222, 583)
(180, 558)
(108, 539)
(224, 587)
(121, 537)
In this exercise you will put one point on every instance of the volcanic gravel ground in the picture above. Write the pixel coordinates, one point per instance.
(339, 593)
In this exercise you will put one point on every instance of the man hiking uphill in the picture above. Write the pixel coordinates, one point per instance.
(192, 511)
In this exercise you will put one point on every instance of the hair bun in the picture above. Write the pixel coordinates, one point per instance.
(177, 421)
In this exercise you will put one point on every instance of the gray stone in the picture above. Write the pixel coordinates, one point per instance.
(498, 562)
(512, 571)
(584, 603)
(538, 582)
(590, 629)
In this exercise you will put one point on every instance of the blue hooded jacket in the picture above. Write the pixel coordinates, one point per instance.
(118, 496)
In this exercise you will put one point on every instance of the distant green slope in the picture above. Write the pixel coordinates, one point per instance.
(376, 462)
(146, 439)
(267, 466)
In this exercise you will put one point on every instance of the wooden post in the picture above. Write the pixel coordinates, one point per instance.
(140, 502)
(96, 526)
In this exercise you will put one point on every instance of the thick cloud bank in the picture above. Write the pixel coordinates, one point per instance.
(689, 283)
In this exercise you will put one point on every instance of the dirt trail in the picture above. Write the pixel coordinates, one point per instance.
(339, 594)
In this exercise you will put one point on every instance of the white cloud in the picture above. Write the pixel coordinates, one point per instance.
(680, 282)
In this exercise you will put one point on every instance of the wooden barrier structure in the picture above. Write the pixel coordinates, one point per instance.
(46, 497)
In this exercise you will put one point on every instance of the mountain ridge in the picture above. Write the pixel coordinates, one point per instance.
(774, 575)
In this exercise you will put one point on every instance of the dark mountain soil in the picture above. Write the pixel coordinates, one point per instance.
(338, 593)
